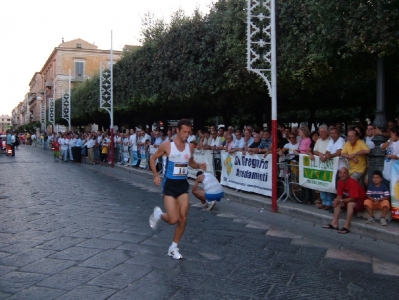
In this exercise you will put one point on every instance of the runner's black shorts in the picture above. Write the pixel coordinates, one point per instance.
(175, 187)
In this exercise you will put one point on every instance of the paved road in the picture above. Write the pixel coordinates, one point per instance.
(72, 231)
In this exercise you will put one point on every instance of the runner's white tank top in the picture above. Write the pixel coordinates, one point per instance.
(177, 162)
(211, 184)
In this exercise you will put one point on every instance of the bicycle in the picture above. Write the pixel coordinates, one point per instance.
(300, 193)
(288, 183)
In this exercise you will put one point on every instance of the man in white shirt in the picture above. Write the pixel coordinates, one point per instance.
(369, 136)
(64, 143)
(90, 148)
(335, 147)
(320, 150)
(214, 141)
(72, 146)
(191, 137)
(212, 192)
(133, 139)
(239, 144)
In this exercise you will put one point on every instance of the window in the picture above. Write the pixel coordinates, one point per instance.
(79, 70)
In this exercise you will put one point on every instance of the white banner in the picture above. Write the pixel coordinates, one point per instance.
(251, 173)
(395, 189)
(318, 175)
(202, 156)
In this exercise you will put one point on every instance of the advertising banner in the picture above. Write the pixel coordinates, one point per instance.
(202, 156)
(251, 173)
(318, 175)
(395, 189)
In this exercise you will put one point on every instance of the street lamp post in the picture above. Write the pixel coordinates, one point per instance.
(43, 121)
(262, 60)
(106, 95)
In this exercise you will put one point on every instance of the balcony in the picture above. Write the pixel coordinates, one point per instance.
(32, 97)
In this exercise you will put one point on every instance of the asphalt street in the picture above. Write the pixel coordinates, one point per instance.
(78, 231)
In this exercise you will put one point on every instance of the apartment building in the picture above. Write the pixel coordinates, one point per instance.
(5, 123)
(77, 57)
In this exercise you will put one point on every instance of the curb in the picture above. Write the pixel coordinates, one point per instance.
(295, 210)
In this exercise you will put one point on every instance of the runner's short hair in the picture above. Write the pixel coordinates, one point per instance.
(185, 122)
(199, 173)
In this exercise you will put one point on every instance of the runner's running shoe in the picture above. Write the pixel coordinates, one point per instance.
(154, 218)
(174, 252)
(211, 205)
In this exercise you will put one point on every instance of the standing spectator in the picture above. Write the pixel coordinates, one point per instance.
(64, 147)
(291, 148)
(248, 138)
(239, 144)
(34, 139)
(77, 156)
(369, 137)
(356, 150)
(13, 145)
(305, 141)
(320, 150)
(56, 147)
(104, 149)
(91, 140)
(391, 148)
(17, 141)
(28, 139)
(335, 146)
(133, 139)
(45, 141)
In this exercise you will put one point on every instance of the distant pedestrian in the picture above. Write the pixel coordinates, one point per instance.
(56, 147)
(45, 141)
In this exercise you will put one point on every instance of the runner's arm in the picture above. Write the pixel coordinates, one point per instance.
(160, 151)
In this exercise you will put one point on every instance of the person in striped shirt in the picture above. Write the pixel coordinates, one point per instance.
(377, 198)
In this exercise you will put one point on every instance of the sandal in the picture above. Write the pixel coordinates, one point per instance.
(326, 207)
(344, 230)
(320, 206)
(329, 226)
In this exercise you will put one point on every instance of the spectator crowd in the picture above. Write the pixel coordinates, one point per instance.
(355, 191)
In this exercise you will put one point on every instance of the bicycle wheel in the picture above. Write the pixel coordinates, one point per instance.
(300, 193)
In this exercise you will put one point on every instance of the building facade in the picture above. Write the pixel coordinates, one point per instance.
(77, 60)
(5, 123)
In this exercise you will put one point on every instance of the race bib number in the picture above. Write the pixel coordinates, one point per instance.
(180, 169)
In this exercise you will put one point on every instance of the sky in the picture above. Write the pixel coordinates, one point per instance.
(31, 29)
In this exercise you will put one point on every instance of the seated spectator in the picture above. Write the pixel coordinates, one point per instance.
(377, 198)
(350, 196)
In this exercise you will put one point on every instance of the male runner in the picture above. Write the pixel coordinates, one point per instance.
(175, 186)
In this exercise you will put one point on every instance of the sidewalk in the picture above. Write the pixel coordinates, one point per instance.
(310, 213)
